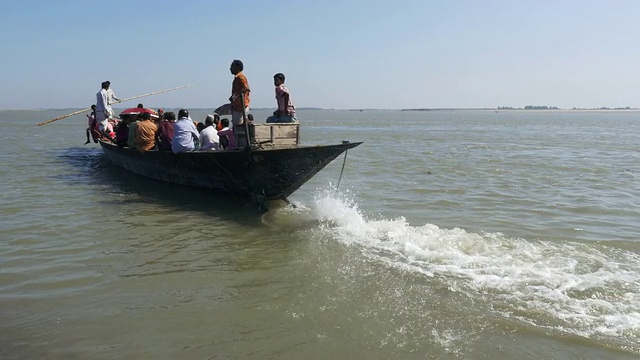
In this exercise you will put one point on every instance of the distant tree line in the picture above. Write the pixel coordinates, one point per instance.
(538, 107)
(608, 108)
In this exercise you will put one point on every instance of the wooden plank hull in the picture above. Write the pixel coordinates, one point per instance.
(259, 174)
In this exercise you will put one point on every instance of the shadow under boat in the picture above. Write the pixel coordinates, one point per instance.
(271, 169)
(116, 185)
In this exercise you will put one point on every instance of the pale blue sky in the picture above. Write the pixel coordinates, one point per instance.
(335, 54)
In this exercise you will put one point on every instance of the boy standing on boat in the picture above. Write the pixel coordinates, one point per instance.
(91, 130)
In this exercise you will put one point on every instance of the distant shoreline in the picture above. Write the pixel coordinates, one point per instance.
(361, 110)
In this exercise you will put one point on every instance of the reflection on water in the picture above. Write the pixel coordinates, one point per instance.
(120, 186)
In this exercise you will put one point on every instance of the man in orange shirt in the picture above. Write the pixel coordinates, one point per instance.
(239, 88)
(146, 133)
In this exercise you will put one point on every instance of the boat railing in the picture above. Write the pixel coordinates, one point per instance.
(277, 134)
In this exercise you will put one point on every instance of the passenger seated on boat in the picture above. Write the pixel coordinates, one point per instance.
(226, 135)
(209, 139)
(199, 126)
(185, 135)
(158, 121)
(131, 139)
(165, 133)
(286, 112)
(122, 132)
(146, 133)
(216, 122)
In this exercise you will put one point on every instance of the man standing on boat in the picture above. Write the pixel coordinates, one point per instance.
(103, 108)
(111, 99)
(239, 90)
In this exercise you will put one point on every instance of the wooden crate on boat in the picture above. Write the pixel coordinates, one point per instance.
(277, 134)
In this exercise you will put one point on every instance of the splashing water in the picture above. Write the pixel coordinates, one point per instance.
(585, 289)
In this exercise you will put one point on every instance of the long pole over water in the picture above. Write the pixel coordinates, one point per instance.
(127, 99)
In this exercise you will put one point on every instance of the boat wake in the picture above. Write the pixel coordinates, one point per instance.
(583, 289)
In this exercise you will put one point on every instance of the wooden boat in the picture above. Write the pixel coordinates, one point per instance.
(272, 168)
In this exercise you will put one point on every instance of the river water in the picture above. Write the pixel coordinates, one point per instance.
(452, 235)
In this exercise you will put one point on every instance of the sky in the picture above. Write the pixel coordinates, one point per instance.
(370, 54)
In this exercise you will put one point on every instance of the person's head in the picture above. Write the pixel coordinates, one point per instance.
(93, 107)
(224, 122)
(250, 117)
(160, 112)
(146, 116)
(170, 115)
(236, 66)
(183, 113)
(140, 106)
(278, 79)
(200, 126)
(106, 84)
(209, 120)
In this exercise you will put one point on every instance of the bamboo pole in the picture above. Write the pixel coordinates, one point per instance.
(123, 100)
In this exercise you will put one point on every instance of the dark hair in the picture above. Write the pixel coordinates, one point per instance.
(279, 76)
(146, 116)
(250, 117)
(170, 115)
(238, 64)
(183, 113)
(200, 126)
(224, 122)
(140, 106)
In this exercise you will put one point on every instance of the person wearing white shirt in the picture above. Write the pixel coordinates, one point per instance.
(102, 107)
(209, 139)
(111, 99)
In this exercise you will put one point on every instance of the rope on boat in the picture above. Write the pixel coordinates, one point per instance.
(341, 171)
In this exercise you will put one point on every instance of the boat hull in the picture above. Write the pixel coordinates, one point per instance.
(259, 174)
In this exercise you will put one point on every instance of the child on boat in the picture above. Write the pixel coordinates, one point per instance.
(286, 112)
(93, 126)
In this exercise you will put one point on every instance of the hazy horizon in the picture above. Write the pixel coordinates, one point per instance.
(335, 54)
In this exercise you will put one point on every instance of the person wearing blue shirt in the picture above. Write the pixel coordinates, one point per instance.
(185, 135)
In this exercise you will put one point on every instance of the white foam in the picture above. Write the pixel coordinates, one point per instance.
(584, 289)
